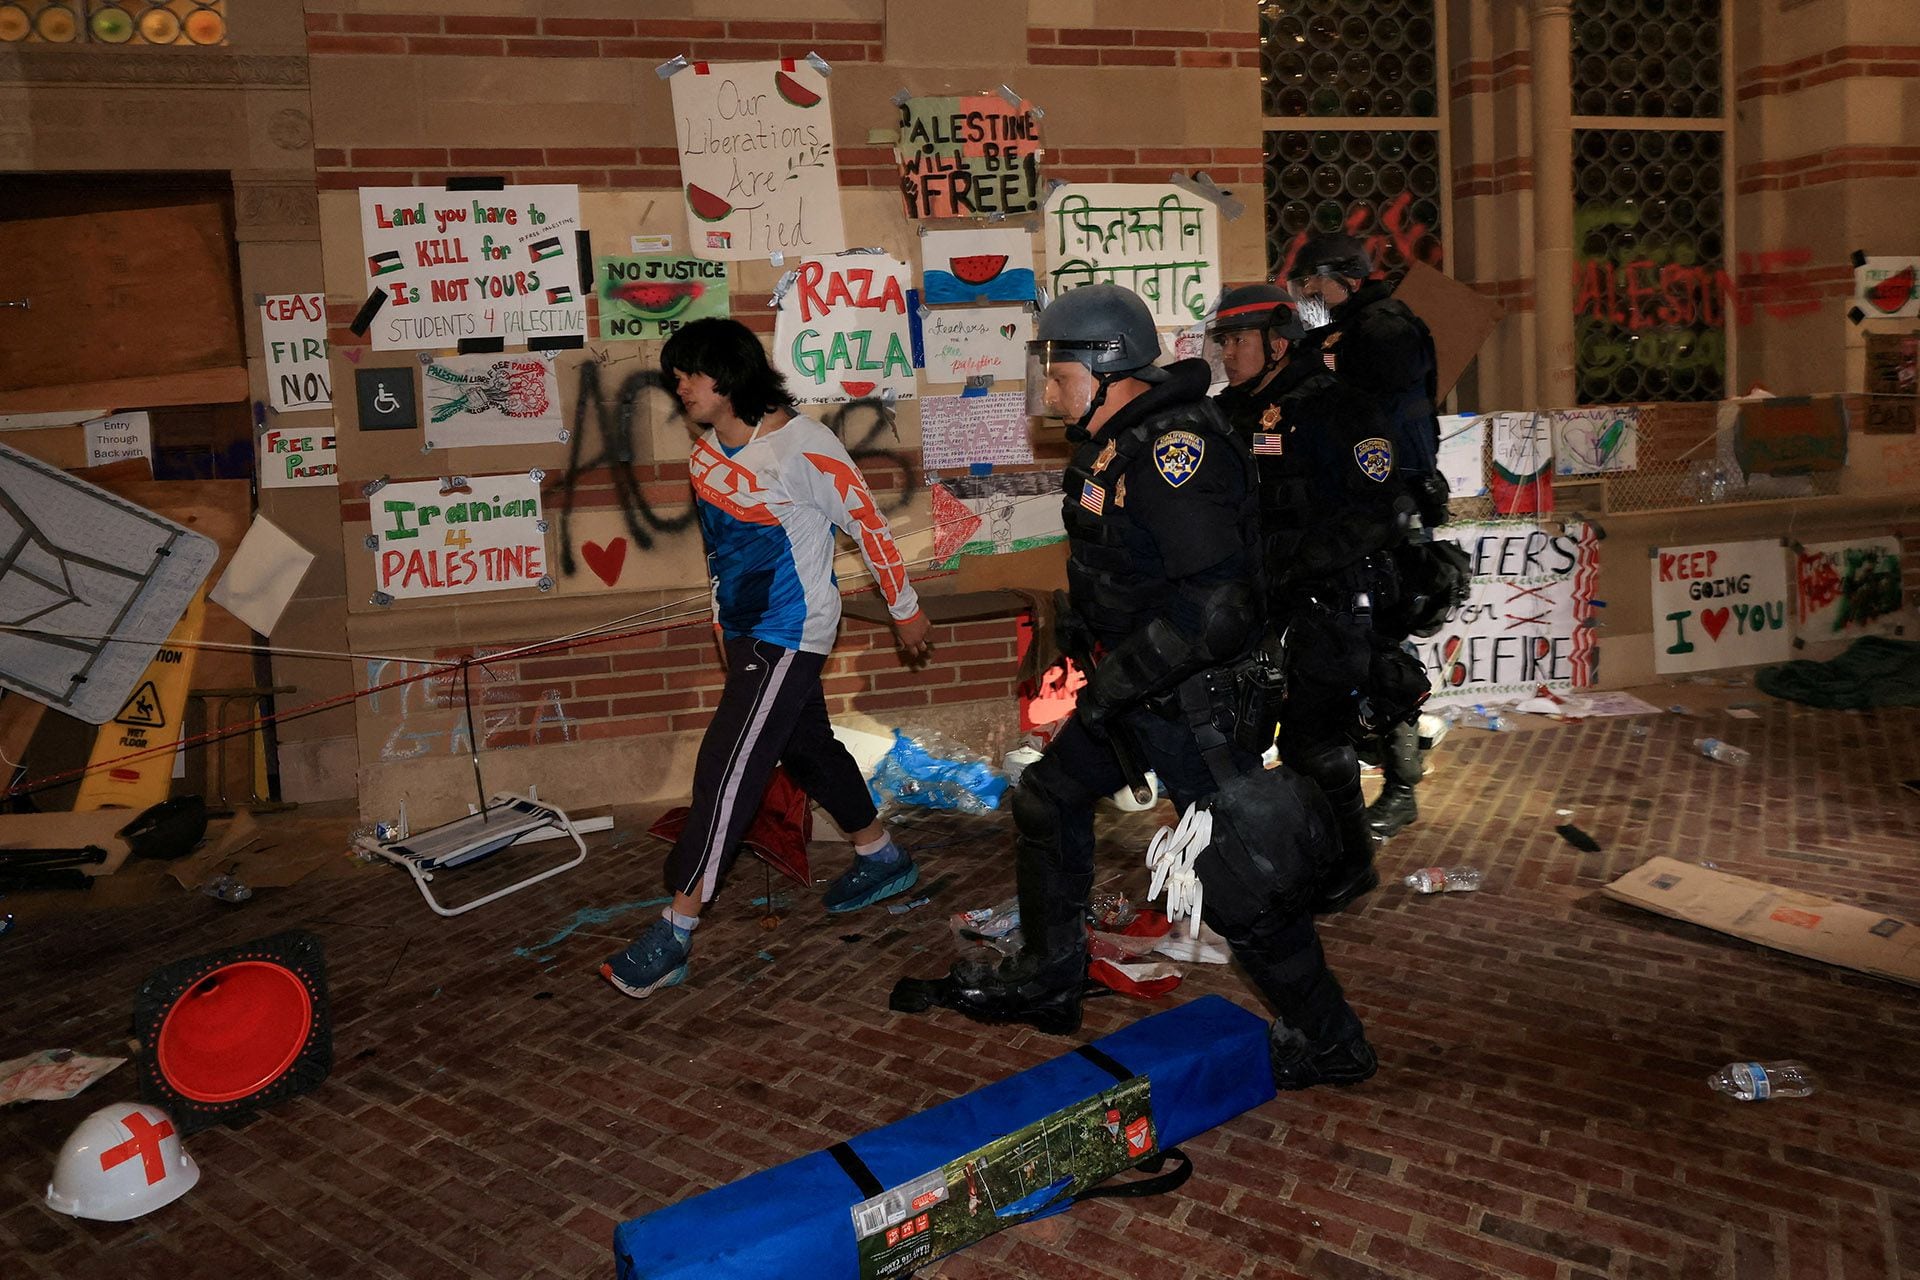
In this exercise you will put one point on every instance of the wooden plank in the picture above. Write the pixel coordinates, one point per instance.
(127, 294)
(225, 384)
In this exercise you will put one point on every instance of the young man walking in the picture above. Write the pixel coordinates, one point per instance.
(771, 487)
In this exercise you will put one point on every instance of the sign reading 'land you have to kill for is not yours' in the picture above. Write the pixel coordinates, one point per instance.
(472, 264)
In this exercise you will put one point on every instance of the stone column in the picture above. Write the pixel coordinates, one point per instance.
(1553, 248)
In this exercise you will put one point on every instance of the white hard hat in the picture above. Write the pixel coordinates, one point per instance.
(122, 1161)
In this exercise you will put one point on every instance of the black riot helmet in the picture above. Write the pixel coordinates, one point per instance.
(1104, 328)
(1341, 257)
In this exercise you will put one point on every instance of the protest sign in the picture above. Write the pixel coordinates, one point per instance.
(1723, 605)
(843, 330)
(648, 298)
(293, 335)
(968, 157)
(1158, 240)
(431, 544)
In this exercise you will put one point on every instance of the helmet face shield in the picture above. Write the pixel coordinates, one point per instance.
(1060, 381)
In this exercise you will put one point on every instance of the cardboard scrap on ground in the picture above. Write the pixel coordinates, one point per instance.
(50, 1075)
(265, 857)
(70, 831)
(1787, 920)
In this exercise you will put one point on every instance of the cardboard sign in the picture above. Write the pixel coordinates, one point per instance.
(1893, 381)
(648, 298)
(491, 399)
(1884, 288)
(1528, 621)
(1784, 435)
(1460, 317)
(843, 330)
(1591, 442)
(472, 264)
(1522, 463)
(976, 342)
(1717, 606)
(1463, 450)
(968, 157)
(433, 544)
(977, 266)
(1158, 240)
(1844, 589)
(293, 335)
(119, 438)
(958, 431)
(386, 399)
(297, 459)
(1783, 919)
(757, 160)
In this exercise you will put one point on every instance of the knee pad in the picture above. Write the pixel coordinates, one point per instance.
(1273, 837)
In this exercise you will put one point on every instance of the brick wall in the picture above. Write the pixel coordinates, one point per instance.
(489, 35)
(1119, 47)
(1844, 62)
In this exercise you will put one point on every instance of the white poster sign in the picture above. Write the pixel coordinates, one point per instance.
(842, 332)
(1463, 460)
(1156, 239)
(1591, 442)
(262, 576)
(293, 334)
(1886, 288)
(958, 431)
(1844, 589)
(976, 266)
(490, 399)
(489, 538)
(297, 458)
(1723, 605)
(1529, 619)
(119, 438)
(976, 342)
(472, 264)
(756, 160)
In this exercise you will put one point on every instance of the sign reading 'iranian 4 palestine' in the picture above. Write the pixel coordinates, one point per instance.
(756, 159)
(1157, 240)
(843, 330)
(472, 264)
(1528, 620)
(435, 544)
(1719, 606)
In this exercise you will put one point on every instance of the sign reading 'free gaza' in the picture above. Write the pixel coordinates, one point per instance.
(472, 264)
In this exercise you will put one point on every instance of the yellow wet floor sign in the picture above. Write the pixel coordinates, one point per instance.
(154, 713)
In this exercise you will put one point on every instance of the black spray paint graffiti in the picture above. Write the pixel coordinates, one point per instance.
(866, 427)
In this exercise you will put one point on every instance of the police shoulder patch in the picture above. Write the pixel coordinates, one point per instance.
(1177, 454)
(1375, 457)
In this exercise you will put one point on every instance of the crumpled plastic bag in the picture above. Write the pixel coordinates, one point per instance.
(912, 774)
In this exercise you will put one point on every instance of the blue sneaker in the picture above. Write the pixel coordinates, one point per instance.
(871, 880)
(651, 961)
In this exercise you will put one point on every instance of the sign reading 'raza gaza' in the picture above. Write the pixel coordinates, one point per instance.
(843, 330)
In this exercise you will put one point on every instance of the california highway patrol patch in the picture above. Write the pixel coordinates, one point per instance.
(1177, 454)
(1375, 457)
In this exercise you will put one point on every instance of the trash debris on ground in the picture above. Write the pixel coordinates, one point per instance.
(1140, 979)
(1015, 762)
(998, 926)
(1111, 911)
(1724, 752)
(901, 908)
(1444, 880)
(1578, 838)
(227, 888)
(1758, 1081)
(50, 1075)
(930, 773)
(1743, 713)
(1784, 919)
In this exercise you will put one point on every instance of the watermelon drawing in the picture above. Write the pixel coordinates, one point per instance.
(1894, 292)
(859, 390)
(659, 299)
(706, 206)
(795, 92)
(977, 268)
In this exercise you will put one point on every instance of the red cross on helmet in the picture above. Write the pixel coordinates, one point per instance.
(121, 1162)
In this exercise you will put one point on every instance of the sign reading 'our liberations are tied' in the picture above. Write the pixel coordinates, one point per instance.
(1157, 240)
(756, 159)
(472, 264)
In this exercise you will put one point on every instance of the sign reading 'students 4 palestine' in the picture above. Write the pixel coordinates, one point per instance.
(435, 544)
(472, 264)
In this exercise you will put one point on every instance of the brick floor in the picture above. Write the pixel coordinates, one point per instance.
(1540, 1110)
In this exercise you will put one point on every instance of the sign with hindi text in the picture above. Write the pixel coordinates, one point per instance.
(1156, 239)
(472, 264)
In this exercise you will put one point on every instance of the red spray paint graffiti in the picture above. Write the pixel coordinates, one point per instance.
(1399, 232)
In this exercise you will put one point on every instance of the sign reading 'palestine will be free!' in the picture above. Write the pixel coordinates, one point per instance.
(972, 157)
(472, 264)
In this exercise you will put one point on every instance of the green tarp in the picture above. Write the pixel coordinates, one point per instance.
(1874, 672)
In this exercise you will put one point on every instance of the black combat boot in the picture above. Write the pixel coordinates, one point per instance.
(1337, 771)
(1396, 808)
(1317, 1038)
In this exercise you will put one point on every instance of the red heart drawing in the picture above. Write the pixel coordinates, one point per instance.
(1892, 293)
(1715, 620)
(859, 390)
(605, 561)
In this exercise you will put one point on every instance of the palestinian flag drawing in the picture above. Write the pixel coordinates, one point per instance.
(541, 250)
(562, 294)
(381, 264)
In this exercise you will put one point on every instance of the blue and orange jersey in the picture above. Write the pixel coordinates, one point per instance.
(768, 513)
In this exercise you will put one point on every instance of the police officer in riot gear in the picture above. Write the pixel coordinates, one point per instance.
(1332, 501)
(1163, 568)
(1377, 344)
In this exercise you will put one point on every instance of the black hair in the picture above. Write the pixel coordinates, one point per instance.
(729, 353)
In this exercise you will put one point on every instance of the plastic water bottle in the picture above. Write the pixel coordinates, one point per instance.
(1444, 880)
(1724, 752)
(1758, 1081)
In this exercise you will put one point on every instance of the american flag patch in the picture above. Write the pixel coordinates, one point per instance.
(1268, 443)
(1093, 498)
